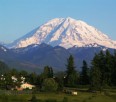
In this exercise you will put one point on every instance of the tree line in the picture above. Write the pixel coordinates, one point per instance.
(99, 75)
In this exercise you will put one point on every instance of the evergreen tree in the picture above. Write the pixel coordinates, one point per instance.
(95, 74)
(71, 77)
(84, 78)
(113, 75)
(51, 73)
(101, 66)
(59, 77)
(48, 72)
(108, 67)
(32, 78)
(105, 66)
(101, 70)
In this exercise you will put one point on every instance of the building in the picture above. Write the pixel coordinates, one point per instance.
(27, 86)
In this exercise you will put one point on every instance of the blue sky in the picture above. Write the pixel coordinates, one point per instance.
(18, 17)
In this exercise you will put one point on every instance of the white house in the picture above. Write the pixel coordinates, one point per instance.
(27, 86)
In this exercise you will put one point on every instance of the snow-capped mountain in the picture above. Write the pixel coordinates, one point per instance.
(65, 32)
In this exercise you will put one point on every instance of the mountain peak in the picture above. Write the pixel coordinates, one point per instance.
(69, 18)
(65, 32)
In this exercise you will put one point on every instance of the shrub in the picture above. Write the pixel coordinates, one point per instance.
(49, 85)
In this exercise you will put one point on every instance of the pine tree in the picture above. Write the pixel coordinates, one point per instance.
(32, 78)
(71, 78)
(48, 72)
(102, 65)
(95, 74)
(101, 70)
(113, 75)
(51, 74)
(84, 77)
(108, 67)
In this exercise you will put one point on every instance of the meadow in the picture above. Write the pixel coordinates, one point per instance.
(107, 96)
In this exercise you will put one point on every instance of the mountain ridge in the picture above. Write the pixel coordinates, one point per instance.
(35, 57)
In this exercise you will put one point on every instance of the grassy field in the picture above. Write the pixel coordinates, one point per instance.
(108, 96)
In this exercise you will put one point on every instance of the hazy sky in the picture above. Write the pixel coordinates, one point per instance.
(18, 17)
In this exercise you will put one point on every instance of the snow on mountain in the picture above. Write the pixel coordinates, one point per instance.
(3, 48)
(65, 32)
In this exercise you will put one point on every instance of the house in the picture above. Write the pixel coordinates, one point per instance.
(27, 86)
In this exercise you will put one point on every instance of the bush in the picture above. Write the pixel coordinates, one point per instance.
(49, 85)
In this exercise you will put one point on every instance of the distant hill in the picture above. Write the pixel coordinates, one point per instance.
(35, 57)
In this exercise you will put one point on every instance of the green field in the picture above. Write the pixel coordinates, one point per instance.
(109, 96)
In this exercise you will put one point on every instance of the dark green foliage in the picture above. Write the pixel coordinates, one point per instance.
(97, 72)
(71, 74)
(103, 70)
(32, 78)
(59, 77)
(48, 72)
(84, 77)
(108, 67)
(95, 80)
(7, 82)
(49, 85)
(25, 75)
(3, 67)
(70, 65)
(95, 75)
(113, 75)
